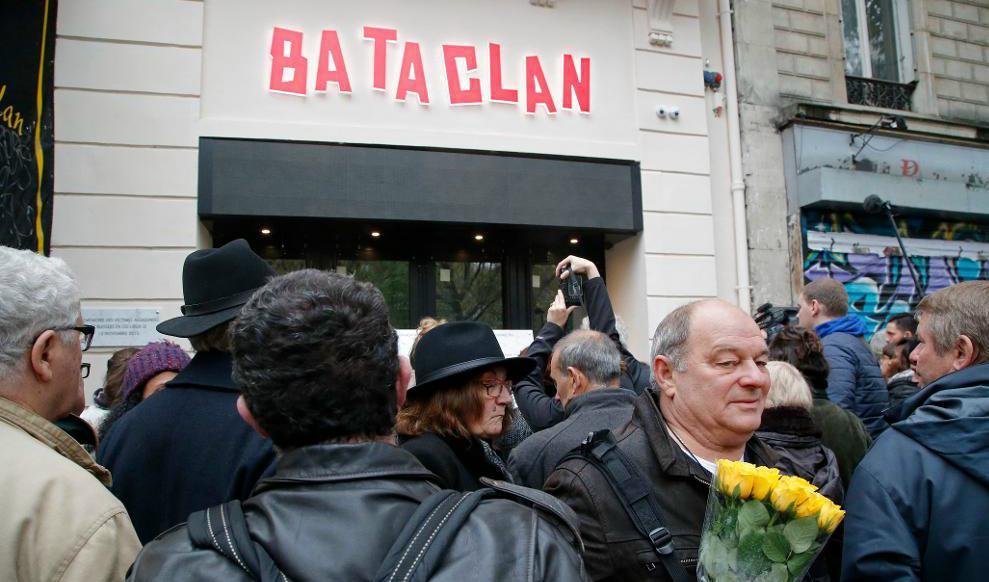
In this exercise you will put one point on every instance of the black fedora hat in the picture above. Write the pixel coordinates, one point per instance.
(456, 350)
(216, 283)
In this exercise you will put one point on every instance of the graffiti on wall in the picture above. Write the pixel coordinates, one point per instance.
(880, 286)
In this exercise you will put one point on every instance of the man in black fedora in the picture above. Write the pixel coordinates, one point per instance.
(186, 448)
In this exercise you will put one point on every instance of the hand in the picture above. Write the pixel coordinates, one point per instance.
(577, 265)
(558, 312)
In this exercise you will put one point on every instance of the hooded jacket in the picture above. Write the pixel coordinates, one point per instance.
(855, 381)
(918, 502)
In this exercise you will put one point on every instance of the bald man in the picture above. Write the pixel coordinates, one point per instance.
(709, 363)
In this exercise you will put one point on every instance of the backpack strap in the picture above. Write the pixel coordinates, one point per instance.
(417, 551)
(635, 494)
(223, 529)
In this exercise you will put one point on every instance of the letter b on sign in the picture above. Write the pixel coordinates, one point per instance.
(287, 61)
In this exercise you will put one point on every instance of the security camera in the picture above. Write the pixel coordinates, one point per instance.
(674, 112)
(661, 111)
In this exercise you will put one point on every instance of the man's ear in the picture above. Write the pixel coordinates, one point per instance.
(42, 353)
(662, 371)
(965, 353)
(402, 380)
(245, 413)
(578, 381)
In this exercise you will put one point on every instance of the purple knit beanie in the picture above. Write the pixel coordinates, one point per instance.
(152, 360)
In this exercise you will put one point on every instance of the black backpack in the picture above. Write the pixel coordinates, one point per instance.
(414, 556)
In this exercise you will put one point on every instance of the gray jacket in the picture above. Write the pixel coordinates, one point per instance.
(332, 512)
(605, 408)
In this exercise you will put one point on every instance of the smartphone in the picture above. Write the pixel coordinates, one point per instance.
(573, 288)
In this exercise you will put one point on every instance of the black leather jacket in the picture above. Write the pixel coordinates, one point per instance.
(332, 512)
(615, 549)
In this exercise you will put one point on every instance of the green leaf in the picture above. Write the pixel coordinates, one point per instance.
(801, 533)
(751, 560)
(776, 547)
(798, 562)
(753, 514)
(778, 573)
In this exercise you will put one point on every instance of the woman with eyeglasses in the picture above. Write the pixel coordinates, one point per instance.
(461, 402)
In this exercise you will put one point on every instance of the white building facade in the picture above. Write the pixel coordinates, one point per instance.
(450, 152)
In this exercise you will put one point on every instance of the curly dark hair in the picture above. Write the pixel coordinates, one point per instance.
(317, 359)
(802, 349)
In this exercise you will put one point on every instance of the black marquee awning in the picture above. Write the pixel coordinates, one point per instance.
(241, 177)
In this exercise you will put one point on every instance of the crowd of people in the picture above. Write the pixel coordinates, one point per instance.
(298, 444)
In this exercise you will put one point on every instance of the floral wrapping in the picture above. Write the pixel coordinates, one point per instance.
(762, 526)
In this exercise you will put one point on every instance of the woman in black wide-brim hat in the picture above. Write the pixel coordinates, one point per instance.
(462, 400)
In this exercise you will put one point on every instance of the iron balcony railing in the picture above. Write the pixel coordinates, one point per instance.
(879, 93)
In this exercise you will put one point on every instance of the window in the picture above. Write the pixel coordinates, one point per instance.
(877, 39)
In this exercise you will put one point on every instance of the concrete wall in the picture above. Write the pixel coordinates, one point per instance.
(127, 78)
(959, 54)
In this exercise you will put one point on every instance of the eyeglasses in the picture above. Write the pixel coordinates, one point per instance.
(84, 370)
(494, 389)
(86, 339)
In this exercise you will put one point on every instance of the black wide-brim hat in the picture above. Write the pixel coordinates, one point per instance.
(216, 283)
(455, 351)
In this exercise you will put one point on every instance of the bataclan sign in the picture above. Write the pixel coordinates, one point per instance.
(290, 72)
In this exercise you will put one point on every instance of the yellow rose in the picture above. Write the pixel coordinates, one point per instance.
(811, 505)
(790, 493)
(763, 482)
(830, 516)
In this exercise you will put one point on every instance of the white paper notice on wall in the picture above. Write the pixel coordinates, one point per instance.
(341, 270)
(536, 282)
(123, 326)
(444, 275)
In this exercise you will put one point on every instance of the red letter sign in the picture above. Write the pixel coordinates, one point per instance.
(459, 96)
(412, 79)
(293, 61)
(910, 168)
(536, 95)
(329, 46)
(498, 92)
(380, 36)
(577, 86)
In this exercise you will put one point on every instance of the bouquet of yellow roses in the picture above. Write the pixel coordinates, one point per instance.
(763, 526)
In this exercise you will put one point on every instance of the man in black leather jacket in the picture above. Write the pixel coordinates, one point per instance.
(321, 376)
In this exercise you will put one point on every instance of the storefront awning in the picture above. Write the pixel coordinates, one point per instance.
(239, 177)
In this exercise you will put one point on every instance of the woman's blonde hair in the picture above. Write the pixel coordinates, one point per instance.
(787, 387)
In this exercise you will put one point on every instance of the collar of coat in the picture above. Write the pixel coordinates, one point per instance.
(209, 370)
(327, 463)
(793, 420)
(600, 399)
(51, 436)
(672, 459)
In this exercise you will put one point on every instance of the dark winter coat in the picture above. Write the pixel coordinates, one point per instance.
(332, 512)
(843, 433)
(603, 408)
(855, 382)
(901, 386)
(459, 463)
(918, 502)
(184, 449)
(542, 410)
(614, 549)
(791, 433)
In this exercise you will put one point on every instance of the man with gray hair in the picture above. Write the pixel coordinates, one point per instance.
(59, 520)
(586, 367)
(926, 480)
(709, 364)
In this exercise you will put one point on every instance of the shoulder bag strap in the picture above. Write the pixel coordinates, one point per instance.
(418, 550)
(634, 493)
(223, 529)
